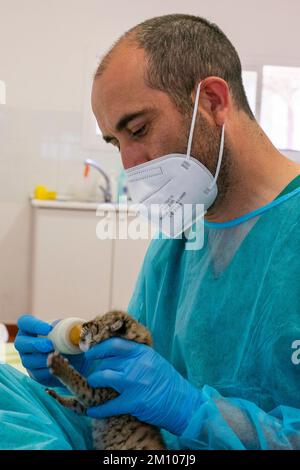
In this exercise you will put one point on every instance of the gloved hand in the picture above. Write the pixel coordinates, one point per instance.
(150, 388)
(34, 351)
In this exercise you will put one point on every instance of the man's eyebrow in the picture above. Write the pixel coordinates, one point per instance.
(124, 120)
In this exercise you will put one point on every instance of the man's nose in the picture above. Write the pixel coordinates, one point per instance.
(134, 154)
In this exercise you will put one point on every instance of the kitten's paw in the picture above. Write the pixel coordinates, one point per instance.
(56, 362)
(51, 392)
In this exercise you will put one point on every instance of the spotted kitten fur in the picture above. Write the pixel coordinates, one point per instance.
(123, 432)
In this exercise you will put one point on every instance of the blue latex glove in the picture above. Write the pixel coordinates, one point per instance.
(150, 388)
(34, 351)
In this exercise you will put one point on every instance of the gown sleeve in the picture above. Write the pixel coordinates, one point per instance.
(232, 423)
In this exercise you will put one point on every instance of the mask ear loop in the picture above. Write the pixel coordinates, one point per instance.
(190, 141)
(219, 159)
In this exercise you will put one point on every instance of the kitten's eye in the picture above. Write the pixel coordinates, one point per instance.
(117, 325)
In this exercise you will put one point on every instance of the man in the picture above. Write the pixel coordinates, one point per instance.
(224, 318)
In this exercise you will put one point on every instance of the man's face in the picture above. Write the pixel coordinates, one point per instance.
(143, 122)
(151, 127)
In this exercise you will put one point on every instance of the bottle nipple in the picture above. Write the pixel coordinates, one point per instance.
(74, 334)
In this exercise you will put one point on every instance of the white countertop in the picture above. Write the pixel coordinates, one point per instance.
(80, 205)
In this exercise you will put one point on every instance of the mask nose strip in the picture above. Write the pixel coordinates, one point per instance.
(137, 175)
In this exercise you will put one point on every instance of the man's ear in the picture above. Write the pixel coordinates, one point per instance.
(215, 98)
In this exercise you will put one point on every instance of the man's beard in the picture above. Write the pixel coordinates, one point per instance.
(205, 149)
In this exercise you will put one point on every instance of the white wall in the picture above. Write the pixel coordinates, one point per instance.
(44, 50)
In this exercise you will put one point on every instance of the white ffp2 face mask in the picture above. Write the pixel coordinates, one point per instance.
(167, 184)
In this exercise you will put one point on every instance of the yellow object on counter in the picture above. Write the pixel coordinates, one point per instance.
(41, 192)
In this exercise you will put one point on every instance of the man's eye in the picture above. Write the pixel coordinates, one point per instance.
(139, 132)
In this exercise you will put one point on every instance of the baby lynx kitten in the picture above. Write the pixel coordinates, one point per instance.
(123, 432)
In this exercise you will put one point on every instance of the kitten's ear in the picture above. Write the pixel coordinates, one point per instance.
(116, 326)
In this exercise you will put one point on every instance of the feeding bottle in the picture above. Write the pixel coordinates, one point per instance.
(65, 335)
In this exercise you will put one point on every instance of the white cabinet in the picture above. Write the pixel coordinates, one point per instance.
(73, 273)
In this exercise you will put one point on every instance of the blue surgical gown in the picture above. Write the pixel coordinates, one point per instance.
(32, 420)
(227, 316)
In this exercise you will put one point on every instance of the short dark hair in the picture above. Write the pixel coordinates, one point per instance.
(181, 49)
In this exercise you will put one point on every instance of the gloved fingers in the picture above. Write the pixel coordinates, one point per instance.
(107, 378)
(34, 361)
(111, 363)
(111, 347)
(74, 358)
(77, 361)
(33, 326)
(42, 375)
(29, 344)
(117, 406)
